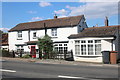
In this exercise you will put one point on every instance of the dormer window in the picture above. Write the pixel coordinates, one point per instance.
(34, 35)
(19, 35)
(54, 32)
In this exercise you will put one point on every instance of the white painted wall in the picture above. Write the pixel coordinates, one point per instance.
(62, 34)
(106, 45)
(13, 39)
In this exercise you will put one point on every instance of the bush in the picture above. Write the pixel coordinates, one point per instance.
(5, 53)
(26, 56)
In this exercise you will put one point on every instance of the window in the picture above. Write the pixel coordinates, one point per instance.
(34, 35)
(88, 47)
(77, 47)
(19, 34)
(83, 49)
(20, 48)
(61, 48)
(54, 32)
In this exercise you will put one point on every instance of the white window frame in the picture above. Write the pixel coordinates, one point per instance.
(54, 32)
(19, 35)
(34, 37)
(86, 43)
(63, 45)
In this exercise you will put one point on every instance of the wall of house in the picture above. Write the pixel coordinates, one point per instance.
(13, 39)
(106, 45)
(82, 24)
(62, 33)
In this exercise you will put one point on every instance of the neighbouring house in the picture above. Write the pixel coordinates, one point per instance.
(88, 44)
(4, 41)
(24, 35)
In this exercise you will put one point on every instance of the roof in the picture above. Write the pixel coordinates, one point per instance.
(105, 31)
(50, 23)
(31, 42)
(4, 39)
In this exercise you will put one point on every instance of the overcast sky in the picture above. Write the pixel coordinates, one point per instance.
(14, 13)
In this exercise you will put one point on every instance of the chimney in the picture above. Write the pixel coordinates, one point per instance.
(106, 21)
(55, 16)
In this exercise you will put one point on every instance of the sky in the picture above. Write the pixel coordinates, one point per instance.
(14, 13)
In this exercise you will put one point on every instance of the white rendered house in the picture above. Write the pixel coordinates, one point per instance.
(24, 35)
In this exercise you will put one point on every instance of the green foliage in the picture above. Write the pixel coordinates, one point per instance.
(45, 45)
(26, 56)
(5, 53)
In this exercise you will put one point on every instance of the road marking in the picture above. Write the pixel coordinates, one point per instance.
(60, 76)
(4, 70)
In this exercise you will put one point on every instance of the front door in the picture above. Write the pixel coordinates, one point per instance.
(33, 51)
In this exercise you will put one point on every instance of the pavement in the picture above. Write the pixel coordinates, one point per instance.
(51, 61)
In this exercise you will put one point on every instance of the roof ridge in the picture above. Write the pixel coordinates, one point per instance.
(52, 19)
(104, 26)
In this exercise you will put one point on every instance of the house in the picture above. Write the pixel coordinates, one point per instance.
(4, 41)
(88, 44)
(24, 35)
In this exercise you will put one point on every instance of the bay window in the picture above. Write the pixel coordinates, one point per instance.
(88, 47)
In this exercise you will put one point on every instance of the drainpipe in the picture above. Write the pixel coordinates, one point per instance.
(118, 44)
(29, 35)
(45, 29)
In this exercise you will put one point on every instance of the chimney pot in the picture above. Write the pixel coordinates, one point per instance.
(55, 16)
(106, 21)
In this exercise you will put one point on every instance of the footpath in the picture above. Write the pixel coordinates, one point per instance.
(51, 61)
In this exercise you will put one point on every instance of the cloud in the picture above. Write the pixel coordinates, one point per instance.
(44, 4)
(32, 12)
(36, 18)
(94, 10)
(61, 13)
(99, 1)
(4, 29)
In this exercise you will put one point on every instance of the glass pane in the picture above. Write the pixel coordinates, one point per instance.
(77, 49)
(65, 49)
(90, 41)
(60, 44)
(98, 49)
(83, 49)
(90, 49)
(83, 41)
(77, 42)
(97, 41)
(65, 44)
(61, 49)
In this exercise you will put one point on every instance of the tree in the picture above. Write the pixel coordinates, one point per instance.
(45, 46)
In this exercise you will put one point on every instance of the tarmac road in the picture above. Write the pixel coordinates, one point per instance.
(18, 69)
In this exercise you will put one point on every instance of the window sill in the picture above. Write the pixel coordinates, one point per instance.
(34, 37)
(88, 55)
(54, 37)
(19, 38)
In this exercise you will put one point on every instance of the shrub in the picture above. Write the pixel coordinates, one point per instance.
(26, 56)
(5, 53)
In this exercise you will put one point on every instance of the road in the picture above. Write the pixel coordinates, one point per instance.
(18, 69)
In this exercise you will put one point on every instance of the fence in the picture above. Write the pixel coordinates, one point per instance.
(53, 55)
